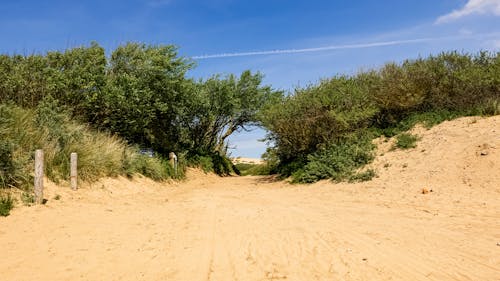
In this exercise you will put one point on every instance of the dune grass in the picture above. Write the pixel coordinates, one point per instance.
(22, 131)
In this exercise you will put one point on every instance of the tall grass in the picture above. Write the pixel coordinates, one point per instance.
(22, 131)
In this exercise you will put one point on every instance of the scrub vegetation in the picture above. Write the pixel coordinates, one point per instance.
(109, 108)
(325, 130)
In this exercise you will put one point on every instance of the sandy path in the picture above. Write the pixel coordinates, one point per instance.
(245, 229)
(250, 228)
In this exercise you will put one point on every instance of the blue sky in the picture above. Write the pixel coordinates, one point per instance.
(314, 39)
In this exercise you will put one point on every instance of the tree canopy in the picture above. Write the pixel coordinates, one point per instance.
(140, 92)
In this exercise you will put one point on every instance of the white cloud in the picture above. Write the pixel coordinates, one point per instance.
(472, 7)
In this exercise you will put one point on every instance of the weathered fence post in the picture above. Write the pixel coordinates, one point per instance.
(173, 161)
(39, 176)
(74, 171)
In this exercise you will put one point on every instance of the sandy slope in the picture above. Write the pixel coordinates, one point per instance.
(251, 228)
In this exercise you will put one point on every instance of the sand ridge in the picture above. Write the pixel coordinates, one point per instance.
(255, 228)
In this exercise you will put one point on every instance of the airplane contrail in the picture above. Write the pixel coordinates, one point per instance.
(317, 49)
(331, 47)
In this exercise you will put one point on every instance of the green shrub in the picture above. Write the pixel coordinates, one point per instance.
(363, 176)
(337, 161)
(308, 125)
(203, 162)
(316, 115)
(150, 167)
(213, 162)
(6, 204)
(427, 119)
(406, 141)
(491, 107)
(222, 165)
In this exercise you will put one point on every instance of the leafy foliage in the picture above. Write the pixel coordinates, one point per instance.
(140, 93)
(214, 162)
(300, 124)
(310, 128)
(143, 99)
(222, 106)
(338, 160)
(74, 77)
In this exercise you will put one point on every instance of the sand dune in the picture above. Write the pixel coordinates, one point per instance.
(253, 228)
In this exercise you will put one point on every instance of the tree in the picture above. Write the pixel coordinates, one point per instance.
(223, 106)
(144, 96)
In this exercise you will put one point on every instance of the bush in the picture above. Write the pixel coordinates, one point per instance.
(316, 115)
(337, 161)
(151, 167)
(203, 162)
(222, 165)
(6, 204)
(406, 141)
(213, 162)
(308, 126)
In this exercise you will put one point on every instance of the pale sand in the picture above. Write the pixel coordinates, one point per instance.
(251, 228)
(246, 160)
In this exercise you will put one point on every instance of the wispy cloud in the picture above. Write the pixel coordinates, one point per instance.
(472, 7)
(317, 49)
(338, 47)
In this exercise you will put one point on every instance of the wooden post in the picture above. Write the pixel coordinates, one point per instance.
(74, 171)
(173, 161)
(39, 176)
